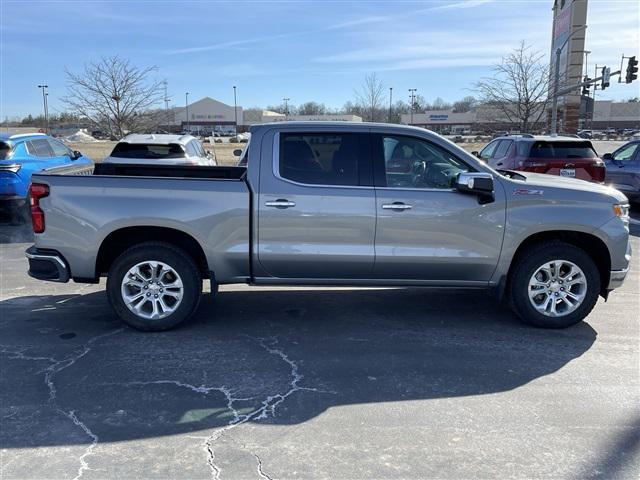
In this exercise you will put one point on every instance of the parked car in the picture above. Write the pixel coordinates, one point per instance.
(553, 155)
(23, 155)
(585, 134)
(161, 150)
(319, 204)
(623, 170)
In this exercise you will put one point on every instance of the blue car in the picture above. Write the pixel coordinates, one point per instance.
(20, 157)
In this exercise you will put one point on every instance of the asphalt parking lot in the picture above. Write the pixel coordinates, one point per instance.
(313, 383)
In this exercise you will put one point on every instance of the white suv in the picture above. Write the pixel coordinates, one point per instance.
(163, 149)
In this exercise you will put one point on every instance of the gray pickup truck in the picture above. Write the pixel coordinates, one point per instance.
(331, 204)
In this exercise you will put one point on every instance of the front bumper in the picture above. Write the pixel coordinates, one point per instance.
(616, 278)
(47, 265)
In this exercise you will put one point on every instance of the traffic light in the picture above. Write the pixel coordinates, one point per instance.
(586, 86)
(632, 69)
(606, 76)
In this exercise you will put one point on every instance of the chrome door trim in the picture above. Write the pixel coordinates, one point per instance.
(396, 206)
(279, 203)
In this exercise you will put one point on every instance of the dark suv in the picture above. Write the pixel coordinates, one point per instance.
(554, 155)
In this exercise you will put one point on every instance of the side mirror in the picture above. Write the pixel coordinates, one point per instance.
(476, 183)
(237, 152)
(607, 156)
(76, 155)
(476, 153)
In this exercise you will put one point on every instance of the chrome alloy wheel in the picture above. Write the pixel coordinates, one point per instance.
(557, 288)
(152, 290)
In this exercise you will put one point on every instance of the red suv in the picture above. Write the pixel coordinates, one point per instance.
(554, 155)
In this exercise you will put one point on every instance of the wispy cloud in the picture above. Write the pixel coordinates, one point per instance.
(355, 22)
(459, 5)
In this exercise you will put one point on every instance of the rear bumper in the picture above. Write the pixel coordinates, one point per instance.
(11, 203)
(47, 265)
(616, 278)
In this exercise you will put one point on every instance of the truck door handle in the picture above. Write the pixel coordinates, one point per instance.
(280, 203)
(396, 206)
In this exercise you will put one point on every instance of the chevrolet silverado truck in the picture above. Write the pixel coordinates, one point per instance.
(330, 204)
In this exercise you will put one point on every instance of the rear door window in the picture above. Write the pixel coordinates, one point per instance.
(562, 150)
(40, 148)
(147, 151)
(322, 158)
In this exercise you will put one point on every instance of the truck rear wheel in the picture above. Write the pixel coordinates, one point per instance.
(154, 286)
(554, 285)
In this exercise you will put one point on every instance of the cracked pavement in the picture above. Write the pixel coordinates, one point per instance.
(271, 383)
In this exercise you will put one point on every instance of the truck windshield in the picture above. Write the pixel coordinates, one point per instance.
(562, 150)
(148, 151)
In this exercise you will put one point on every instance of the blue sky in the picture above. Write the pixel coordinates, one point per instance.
(302, 50)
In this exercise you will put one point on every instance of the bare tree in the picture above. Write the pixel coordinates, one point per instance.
(312, 108)
(518, 89)
(371, 98)
(465, 104)
(113, 94)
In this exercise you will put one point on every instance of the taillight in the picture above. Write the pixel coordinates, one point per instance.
(36, 192)
(598, 172)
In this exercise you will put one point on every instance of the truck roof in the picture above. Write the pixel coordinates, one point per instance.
(159, 139)
(340, 125)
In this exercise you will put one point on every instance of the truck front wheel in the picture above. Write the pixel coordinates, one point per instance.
(554, 285)
(154, 286)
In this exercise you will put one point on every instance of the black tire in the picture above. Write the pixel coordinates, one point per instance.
(526, 266)
(171, 255)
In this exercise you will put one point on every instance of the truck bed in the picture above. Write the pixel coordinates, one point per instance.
(87, 204)
(132, 170)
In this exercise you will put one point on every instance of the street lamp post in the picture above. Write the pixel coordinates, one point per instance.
(44, 106)
(412, 92)
(390, 97)
(186, 106)
(235, 109)
(286, 107)
(556, 82)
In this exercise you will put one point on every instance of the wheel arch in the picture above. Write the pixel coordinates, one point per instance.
(120, 240)
(595, 247)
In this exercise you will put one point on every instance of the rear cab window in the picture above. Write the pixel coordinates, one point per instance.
(323, 158)
(147, 151)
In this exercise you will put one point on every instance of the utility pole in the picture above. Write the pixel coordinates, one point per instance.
(186, 106)
(44, 106)
(286, 107)
(235, 110)
(390, 97)
(556, 82)
(412, 93)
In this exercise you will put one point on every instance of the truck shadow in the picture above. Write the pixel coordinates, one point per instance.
(14, 231)
(271, 356)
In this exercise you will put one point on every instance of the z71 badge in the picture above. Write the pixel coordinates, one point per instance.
(527, 191)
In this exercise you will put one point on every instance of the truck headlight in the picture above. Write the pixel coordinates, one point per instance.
(621, 211)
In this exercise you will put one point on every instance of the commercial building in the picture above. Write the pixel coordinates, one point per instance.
(607, 114)
(255, 116)
(204, 115)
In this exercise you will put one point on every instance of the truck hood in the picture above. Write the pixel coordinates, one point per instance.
(542, 181)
